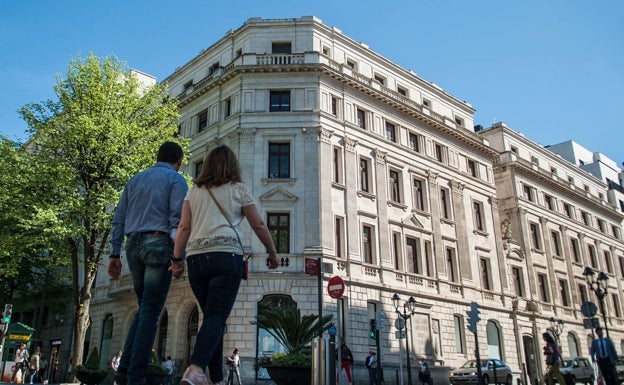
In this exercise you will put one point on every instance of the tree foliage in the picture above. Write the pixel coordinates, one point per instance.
(106, 125)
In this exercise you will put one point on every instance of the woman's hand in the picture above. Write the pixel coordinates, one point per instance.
(176, 268)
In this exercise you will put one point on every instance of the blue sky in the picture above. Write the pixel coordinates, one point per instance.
(550, 69)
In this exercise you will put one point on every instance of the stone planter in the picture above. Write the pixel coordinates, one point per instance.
(290, 375)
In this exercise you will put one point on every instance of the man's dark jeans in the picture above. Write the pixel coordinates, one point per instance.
(149, 256)
(215, 279)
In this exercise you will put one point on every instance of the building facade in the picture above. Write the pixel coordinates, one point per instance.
(379, 174)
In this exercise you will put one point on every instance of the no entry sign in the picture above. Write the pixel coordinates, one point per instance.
(335, 287)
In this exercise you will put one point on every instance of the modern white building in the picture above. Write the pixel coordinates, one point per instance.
(379, 174)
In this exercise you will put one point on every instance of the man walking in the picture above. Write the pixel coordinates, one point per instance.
(603, 352)
(148, 214)
(371, 364)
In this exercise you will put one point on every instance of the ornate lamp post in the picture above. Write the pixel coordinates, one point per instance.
(408, 312)
(599, 285)
(557, 327)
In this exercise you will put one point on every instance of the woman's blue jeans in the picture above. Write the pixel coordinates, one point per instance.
(215, 278)
(148, 257)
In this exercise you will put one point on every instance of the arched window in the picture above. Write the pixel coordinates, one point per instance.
(193, 328)
(267, 345)
(493, 341)
(105, 342)
(573, 345)
(161, 346)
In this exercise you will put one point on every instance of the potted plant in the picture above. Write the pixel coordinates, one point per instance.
(295, 332)
(90, 373)
(156, 372)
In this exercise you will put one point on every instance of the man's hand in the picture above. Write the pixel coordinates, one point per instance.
(176, 268)
(273, 261)
(114, 268)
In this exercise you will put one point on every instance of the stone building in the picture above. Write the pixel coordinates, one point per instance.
(378, 174)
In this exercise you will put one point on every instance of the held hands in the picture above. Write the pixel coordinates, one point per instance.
(176, 268)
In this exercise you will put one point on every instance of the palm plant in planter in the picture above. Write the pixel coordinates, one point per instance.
(90, 373)
(295, 332)
(156, 372)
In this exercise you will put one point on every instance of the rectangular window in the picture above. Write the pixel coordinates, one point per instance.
(364, 175)
(396, 248)
(279, 160)
(352, 64)
(582, 290)
(556, 243)
(227, 107)
(367, 244)
(576, 251)
(428, 259)
(426, 103)
(414, 141)
(593, 262)
(279, 228)
(451, 265)
(202, 120)
(608, 262)
(380, 79)
(279, 101)
(550, 202)
(395, 185)
(568, 210)
(419, 194)
(391, 132)
(438, 152)
(585, 218)
(339, 238)
(198, 168)
(334, 106)
(477, 213)
(527, 192)
(281, 47)
(412, 253)
(518, 280)
(338, 173)
(486, 280)
(445, 204)
(360, 118)
(616, 232)
(402, 90)
(459, 121)
(542, 286)
(536, 240)
(602, 226)
(563, 292)
(617, 310)
(472, 168)
(621, 266)
(458, 324)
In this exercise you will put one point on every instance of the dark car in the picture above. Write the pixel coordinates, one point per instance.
(577, 369)
(492, 371)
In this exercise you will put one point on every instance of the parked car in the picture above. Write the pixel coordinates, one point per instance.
(577, 369)
(492, 371)
(619, 368)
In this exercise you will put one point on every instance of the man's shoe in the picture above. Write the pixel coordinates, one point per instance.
(193, 375)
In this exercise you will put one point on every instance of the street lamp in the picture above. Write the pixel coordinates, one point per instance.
(408, 312)
(599, 285)
(556, 325)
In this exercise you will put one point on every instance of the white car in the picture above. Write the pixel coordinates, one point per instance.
(493, 371)
(577, 369)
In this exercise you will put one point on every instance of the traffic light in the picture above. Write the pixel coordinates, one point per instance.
(372, 332)
(6, 316)
(473, 317)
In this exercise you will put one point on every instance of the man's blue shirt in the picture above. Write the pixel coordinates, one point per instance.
(151, 201)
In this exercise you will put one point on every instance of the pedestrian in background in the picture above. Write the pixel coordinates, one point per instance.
(21, 357)
(148, 214)
(346, 360)
(603, 352)
(168, 363)
(233, 362)
(553, 360)
(34, 364)
(371, 364)
(209, 233)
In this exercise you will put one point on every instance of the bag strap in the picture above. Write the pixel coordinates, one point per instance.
(227, 219)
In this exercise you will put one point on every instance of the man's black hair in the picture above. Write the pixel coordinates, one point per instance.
(169, 152)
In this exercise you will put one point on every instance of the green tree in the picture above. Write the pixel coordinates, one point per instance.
(106, 125)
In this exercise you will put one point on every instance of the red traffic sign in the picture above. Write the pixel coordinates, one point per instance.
(335, 287)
